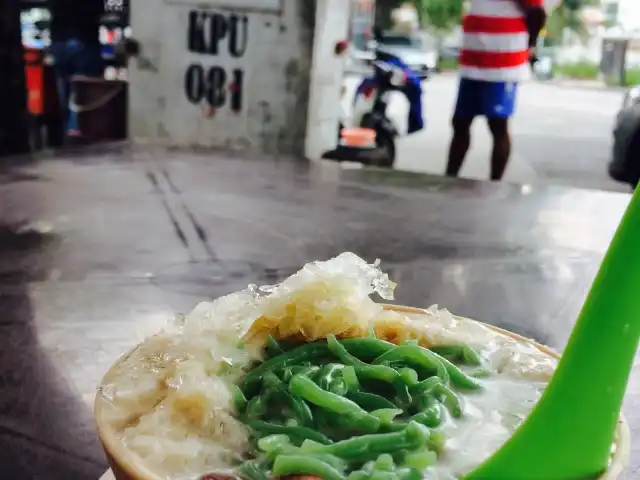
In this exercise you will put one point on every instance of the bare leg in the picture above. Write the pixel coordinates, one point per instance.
(499, 128)
(459, 144)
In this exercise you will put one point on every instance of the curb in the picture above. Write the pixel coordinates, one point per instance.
(584, 84)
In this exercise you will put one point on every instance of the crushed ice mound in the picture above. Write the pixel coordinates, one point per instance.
(347, 269)
(320, 299)
(323, 298)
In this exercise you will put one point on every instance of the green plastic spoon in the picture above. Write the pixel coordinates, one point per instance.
(570, 432)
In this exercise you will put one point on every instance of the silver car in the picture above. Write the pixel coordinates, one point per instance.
(412, 50)
(625, 163)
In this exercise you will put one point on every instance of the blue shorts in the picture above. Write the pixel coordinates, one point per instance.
(486, 99)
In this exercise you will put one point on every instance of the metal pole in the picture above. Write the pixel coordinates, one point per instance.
(14, 130)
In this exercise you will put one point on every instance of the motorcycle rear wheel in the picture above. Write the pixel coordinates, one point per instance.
(387, 144)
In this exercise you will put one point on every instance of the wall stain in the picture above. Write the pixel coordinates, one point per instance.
(162, 131)
(291, 71)
(145, 63)
(244, 142)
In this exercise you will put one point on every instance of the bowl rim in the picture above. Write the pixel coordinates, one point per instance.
(135, 469)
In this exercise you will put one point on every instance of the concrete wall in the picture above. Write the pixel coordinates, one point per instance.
(228, 73)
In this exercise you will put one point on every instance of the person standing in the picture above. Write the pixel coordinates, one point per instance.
(75, 47)
(499, 38)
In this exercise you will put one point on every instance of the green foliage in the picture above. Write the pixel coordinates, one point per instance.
(573, 4)
(578, 70)
(632, 77)
(590, 71)
(442, 15)
(566, 17)
(447, 63)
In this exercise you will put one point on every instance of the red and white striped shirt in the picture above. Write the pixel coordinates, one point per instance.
(495, 44)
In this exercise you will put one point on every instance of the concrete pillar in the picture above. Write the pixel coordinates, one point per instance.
(230, 73)
(327, 72)
(14, 132)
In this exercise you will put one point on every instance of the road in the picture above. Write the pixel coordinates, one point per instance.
(561, 134)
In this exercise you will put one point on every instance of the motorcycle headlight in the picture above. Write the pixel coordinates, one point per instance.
(632, 97)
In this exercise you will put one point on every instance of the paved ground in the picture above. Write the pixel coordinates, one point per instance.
(562, 134)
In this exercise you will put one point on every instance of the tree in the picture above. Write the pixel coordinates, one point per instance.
(442, 15)
(567, 17)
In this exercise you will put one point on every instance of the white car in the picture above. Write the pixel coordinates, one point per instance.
(411, 49)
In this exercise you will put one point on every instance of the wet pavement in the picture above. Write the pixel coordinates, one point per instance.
(98, 248)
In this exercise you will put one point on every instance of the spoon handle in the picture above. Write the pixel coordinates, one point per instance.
(570, 431)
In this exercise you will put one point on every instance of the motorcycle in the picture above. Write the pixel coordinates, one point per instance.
(370, 108)
(370, 112)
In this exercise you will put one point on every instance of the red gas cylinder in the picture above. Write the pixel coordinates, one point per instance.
(34, 66)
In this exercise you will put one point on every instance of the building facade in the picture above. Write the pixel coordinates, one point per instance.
(624, 14)
(240, 74)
